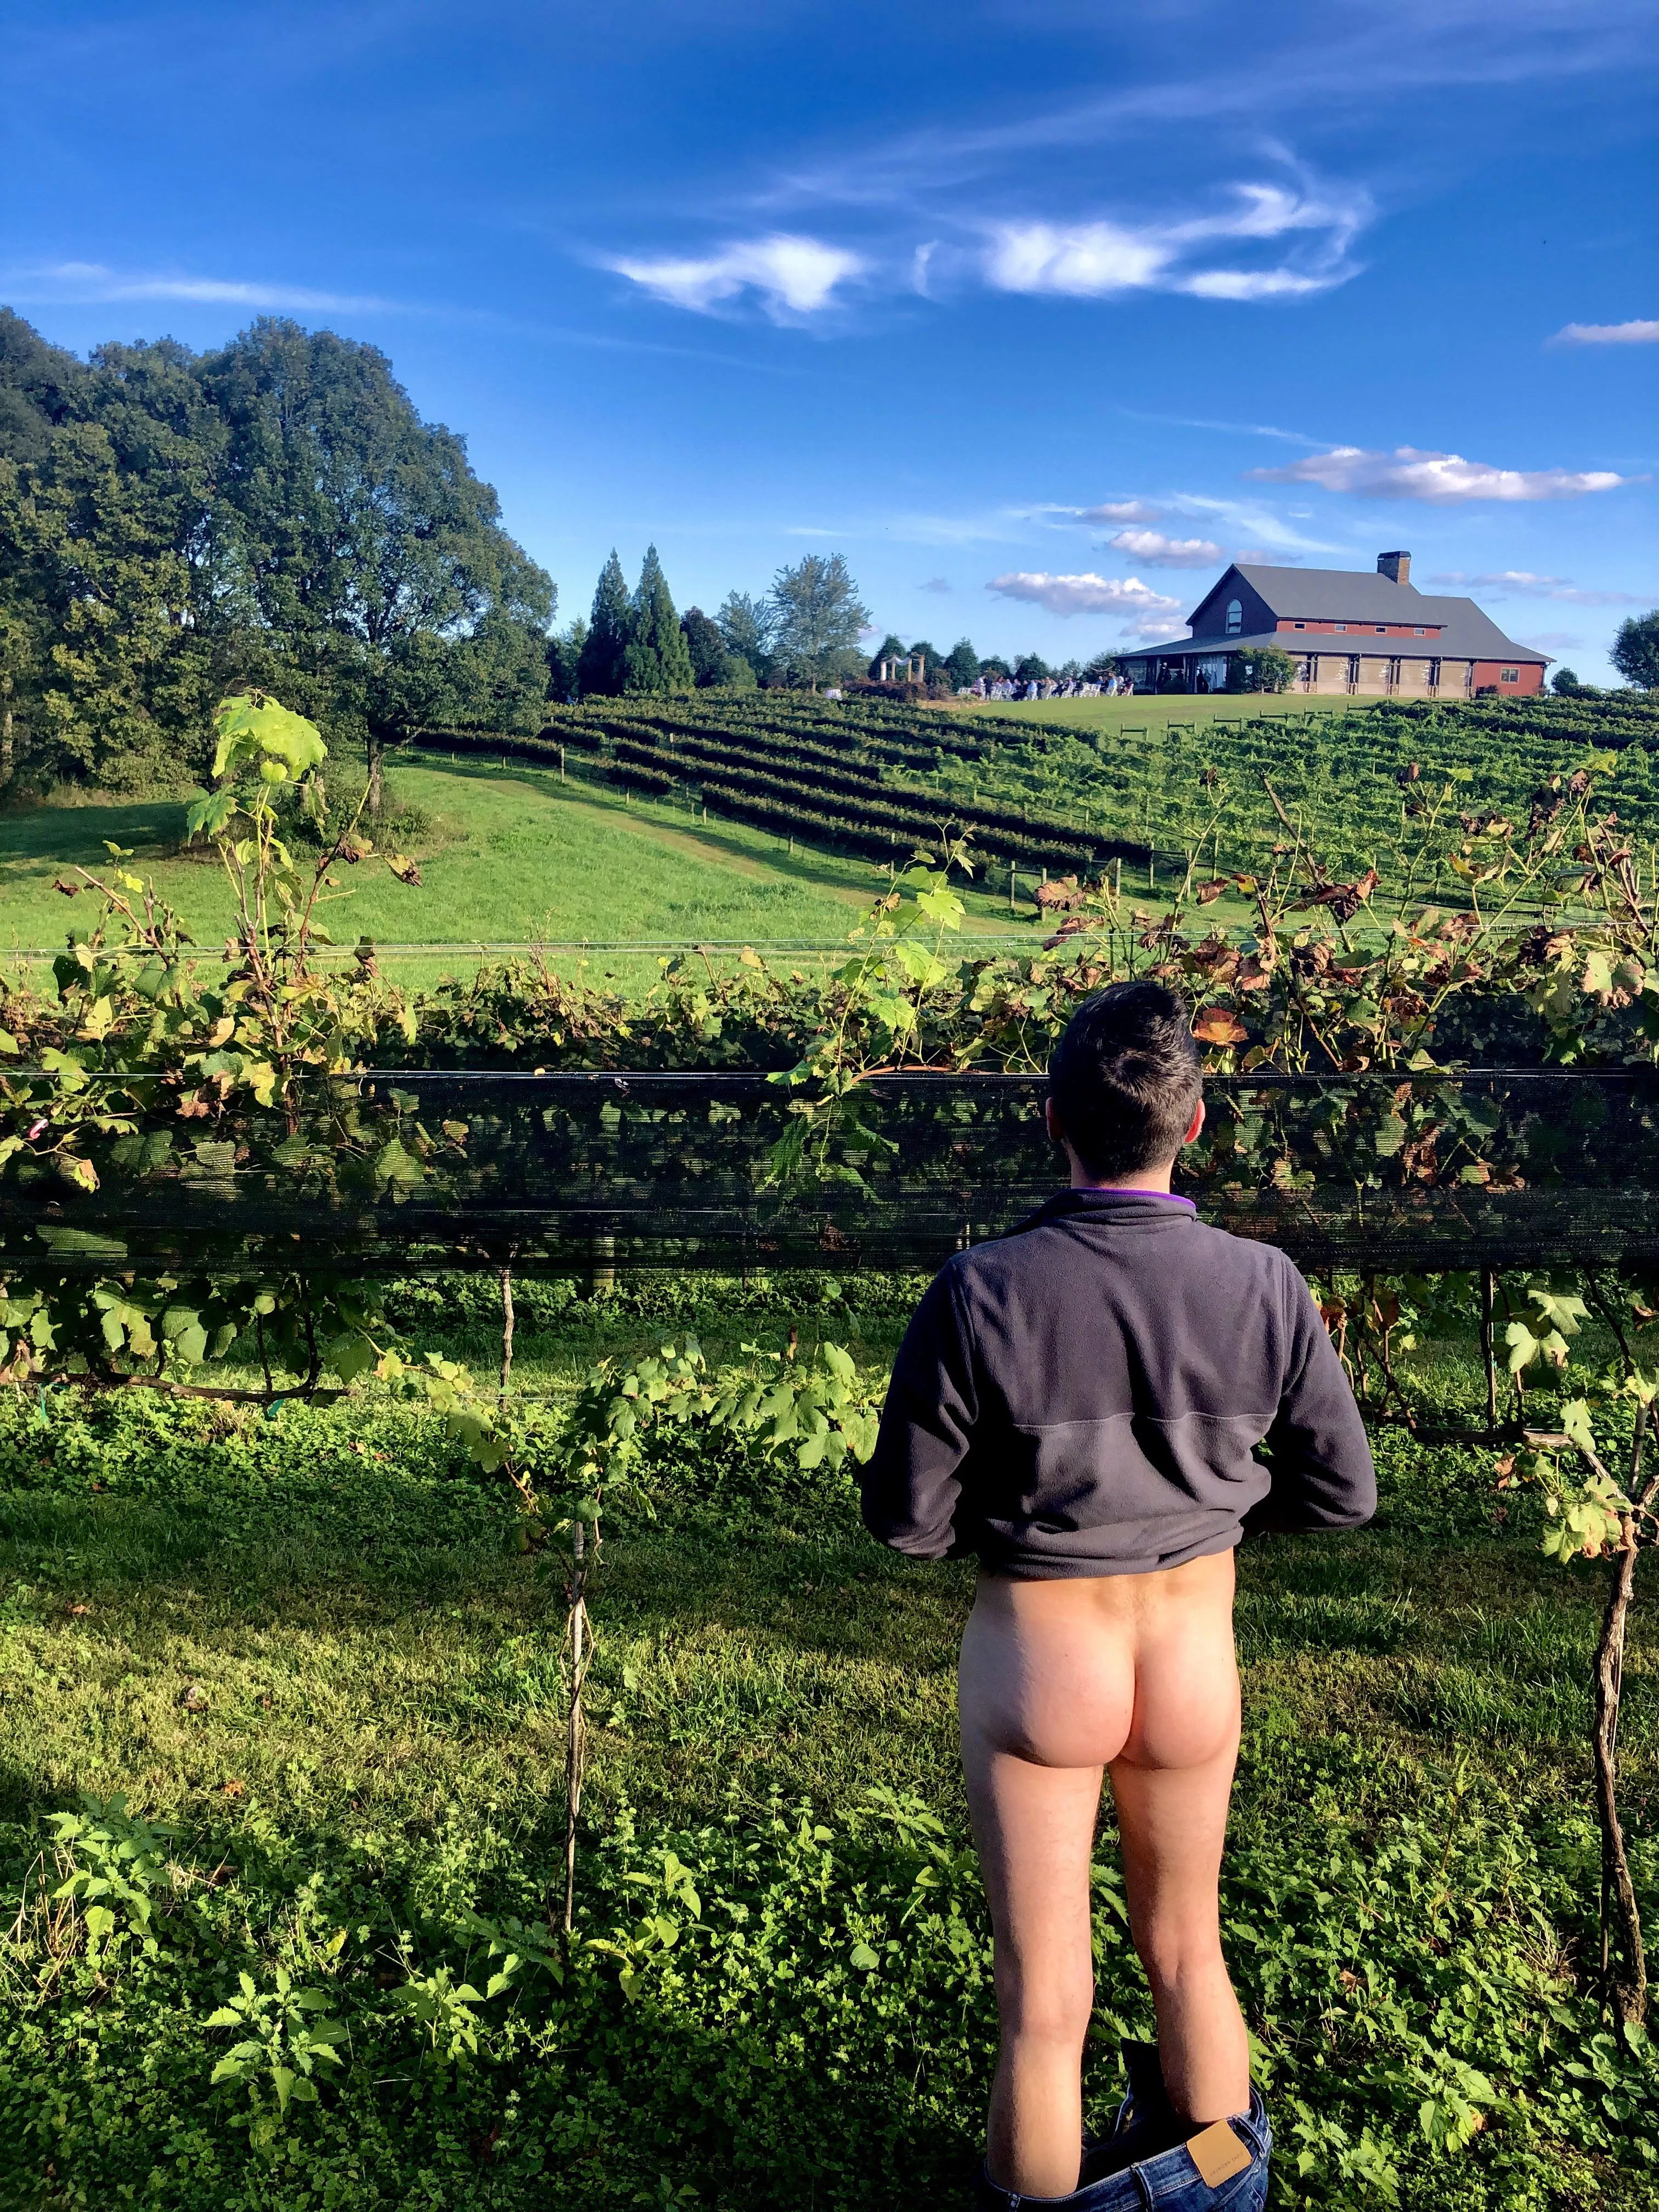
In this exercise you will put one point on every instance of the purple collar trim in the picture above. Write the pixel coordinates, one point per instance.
(1128, 1190)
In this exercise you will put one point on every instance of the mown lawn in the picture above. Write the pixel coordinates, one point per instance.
(511, 856)
(304, 1643)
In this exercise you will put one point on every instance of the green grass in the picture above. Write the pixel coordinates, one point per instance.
(514, 855)
(303, 1643)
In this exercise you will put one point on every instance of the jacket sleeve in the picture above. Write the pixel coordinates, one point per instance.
(1316, 1449)
(910, 1487)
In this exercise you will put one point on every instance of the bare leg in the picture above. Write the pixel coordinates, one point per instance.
(1035, 1828)
(1059, 1679)
(1172, 1783)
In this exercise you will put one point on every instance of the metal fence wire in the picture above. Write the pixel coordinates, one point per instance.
(1497, 1167)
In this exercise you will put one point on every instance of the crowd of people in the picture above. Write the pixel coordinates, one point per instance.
(1047, 687)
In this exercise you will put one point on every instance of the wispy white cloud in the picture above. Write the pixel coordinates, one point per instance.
(1524, 584)
(90, 283)
(937, 584)
(793, 276)
(1552, 640)
(1099, 259)
(1087, 594)
(1607, 334)
(1409, 473)
(1113, 510)
(1158, 551)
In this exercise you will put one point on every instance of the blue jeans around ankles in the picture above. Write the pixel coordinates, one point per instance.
(1168, 2183)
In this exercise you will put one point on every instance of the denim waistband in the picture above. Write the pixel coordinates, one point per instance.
(1168, 2183)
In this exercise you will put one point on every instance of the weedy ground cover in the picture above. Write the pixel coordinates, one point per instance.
(318, 1703)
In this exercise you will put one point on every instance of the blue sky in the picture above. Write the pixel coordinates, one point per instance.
(1038, 311)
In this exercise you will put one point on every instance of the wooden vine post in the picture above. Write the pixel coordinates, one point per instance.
(580, 1642)
(506, 1329)
(1627, 1991)
(1603, 1519)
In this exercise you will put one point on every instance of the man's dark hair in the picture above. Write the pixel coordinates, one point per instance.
(1126, 1078)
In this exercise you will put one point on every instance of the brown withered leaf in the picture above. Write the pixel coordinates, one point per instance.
(1219, 1025)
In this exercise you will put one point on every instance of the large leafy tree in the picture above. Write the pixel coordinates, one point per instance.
(600, 668)
(41, 387)
(656, 659)
(816, 616)
(115, 606)
(746, 626)
(1636, 650)
(375, 558)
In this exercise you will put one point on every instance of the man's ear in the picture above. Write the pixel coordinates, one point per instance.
(1052, 1122)
(1194, 1124)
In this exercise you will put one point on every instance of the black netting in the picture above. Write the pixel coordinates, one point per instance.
(1501, 1168)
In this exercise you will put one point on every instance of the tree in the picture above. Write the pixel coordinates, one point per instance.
(564, 654)
(928, 653)
(961, 663)
(1102, 668)
(746, 624)
(1564, 682)
(1265, 669)
(892, 647)
(1031, 668)
(1636, 650)
(41, 388)
(367, 543)
(818, 616)
(600, 670)
(119, 601)
(995, 669)
(711, 663)
(657, 659)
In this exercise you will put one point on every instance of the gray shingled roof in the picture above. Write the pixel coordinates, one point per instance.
(1359, 596)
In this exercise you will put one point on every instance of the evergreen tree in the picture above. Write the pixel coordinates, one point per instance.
(564, 654)
(961, 663)
(600, 668)
(710, 661)
(892, 647)
(657, 658)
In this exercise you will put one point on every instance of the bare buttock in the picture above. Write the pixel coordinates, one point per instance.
(1090, 1670)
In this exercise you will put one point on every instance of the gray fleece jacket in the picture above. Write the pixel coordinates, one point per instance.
(1088, 1395)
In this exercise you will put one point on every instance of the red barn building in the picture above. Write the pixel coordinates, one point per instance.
(1349, 632)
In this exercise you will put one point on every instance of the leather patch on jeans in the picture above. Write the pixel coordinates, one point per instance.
(1218, 2154)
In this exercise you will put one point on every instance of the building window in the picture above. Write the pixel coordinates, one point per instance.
(1235, 617)
(1302, 625)
(1509, 674)
(1382, 630)
(1418, 632)
(1339, 627)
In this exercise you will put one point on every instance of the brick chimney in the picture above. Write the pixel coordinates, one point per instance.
(1396, 567)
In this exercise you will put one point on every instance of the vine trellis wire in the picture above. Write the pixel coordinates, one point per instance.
(1494, 1167)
